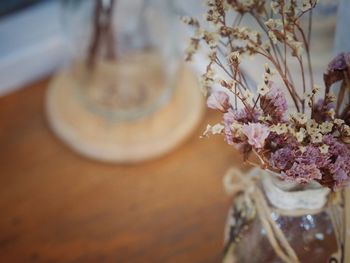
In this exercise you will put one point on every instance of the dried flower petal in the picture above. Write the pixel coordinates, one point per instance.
(340, 62)
(219, 100)
(256, 134)
(282, 158)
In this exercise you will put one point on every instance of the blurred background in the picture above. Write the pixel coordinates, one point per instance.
(84, 81)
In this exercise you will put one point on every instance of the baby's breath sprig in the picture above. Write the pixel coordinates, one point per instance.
(280, 36)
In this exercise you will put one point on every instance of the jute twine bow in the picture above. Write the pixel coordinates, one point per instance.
(236, 182)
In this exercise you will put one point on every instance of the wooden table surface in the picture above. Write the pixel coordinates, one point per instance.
(56, 206)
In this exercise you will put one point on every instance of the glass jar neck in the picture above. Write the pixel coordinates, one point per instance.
(292, 196)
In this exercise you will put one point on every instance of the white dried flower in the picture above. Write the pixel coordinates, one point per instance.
(331, 113)
(338, 122)
(190, 21)
(305, 5)
(217, 128)
(270, 23)
(316, 88)
(275, 6)
(266, 77)
(267, 68)
(346, 129)
(300, 135)
(207, 130)
(299, 117)
(298, 48)
(279, 128)
(234, 58)
(236, 130)
(311, 126)
(263, 89)
(316, 137)
(273, 37)
(324, 148)
(265, 118)
(326, 127)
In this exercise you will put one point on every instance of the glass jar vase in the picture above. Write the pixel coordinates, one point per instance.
(276, 221)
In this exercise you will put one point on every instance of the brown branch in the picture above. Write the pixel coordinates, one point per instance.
(307, 49)
(292, 92)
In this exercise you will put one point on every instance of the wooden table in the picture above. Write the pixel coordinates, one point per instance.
(56, 206)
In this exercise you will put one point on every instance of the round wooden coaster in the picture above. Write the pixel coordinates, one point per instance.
(98, 138)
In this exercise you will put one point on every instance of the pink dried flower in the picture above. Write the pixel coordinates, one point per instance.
(302, 173)
(321, 109)
(282, 158)
(219, 100)
(340, 169)
(246, 115)
(240, 116)
(313, 155)
(338, 69)
(336, 148)
(274, 103)
(256, 134)
(340, 62)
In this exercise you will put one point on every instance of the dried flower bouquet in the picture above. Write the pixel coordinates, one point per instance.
(303, 142)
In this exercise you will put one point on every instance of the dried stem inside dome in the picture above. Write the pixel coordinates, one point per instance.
(102, 32)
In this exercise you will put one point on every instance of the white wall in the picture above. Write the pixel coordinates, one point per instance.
(32, 45)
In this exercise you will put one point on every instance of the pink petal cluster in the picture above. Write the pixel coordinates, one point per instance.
(244, 115)
(219, 100)
(313, 155)
(274, 103)
(302, 173)
(331, 169)
(277, 94)
(340, 167)
(256, 134)
(340, 62)
(283, 158)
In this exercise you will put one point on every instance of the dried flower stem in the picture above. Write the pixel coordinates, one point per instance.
(284, 43)
(303, 80)
(292, 92)
(277, 64)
